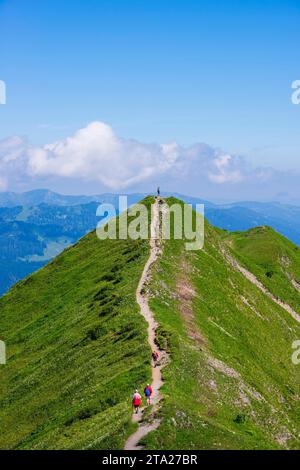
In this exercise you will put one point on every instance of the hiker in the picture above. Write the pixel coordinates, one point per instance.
(136, 401)
(155, 357)
(158, 191)
(148, 392)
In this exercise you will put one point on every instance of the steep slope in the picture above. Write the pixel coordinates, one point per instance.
(231, 382)
(272, 258)
(77, 347)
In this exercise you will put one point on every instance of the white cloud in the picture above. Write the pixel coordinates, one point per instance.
(224, 170)
(95, 157)
(11, 149)
(96, 153)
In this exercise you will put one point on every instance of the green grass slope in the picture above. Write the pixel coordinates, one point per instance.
(231, 383)
(272, 258)
(77, 346)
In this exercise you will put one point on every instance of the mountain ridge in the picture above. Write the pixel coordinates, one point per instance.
(77, 346)
(48, 228)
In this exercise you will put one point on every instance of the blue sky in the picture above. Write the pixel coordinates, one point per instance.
(218, 72)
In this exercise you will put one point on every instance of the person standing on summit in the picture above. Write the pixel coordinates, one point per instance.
(158, 191)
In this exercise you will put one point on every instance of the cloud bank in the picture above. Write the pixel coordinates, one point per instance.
(96, 155)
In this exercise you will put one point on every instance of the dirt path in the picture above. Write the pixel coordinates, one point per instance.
(142, 298)
(248, 275)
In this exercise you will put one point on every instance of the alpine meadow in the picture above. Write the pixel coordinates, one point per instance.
(227, 316)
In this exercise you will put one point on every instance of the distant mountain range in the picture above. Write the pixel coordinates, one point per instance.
(44, 196)
(36, 226)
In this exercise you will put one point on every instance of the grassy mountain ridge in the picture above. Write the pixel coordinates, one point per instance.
(231, 382)
(272, 258)
(77, 346)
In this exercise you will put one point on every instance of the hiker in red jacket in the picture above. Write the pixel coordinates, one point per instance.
(136, 401)
(148, 392)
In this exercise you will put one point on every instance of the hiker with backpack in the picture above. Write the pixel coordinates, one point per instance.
(148, 392)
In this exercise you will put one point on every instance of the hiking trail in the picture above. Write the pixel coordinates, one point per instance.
(142, 298)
